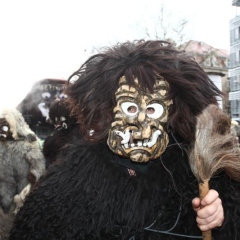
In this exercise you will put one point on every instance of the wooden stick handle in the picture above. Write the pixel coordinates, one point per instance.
(203, 190)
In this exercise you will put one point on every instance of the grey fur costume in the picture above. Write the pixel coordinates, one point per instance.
(21, 165)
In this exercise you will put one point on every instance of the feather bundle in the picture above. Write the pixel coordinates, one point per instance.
(215, 147)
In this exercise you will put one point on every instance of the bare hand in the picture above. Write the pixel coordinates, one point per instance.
(209, 211)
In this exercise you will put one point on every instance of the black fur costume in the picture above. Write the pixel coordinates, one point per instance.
(64, 131)
(35, 106)
(92, 193)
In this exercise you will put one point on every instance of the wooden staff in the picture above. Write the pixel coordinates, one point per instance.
(215, 149)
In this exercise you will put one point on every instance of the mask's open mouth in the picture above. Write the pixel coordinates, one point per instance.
(3, 135)
(60, 126)
(128, 141)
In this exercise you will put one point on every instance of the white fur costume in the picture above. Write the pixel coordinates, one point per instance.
(20, 157)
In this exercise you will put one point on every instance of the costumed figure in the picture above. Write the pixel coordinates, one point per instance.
(137, 105)
(21, 165)
(65, 129)
(35, 106)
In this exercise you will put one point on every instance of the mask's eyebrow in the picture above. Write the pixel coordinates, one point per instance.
(162, 87)
(126, 90)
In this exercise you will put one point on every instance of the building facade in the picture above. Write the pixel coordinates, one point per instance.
(234, 64)
(215, 63)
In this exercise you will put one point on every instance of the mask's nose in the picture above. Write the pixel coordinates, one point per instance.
(144, 128)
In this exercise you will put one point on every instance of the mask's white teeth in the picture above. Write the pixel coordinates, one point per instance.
(145, 141)
(126, 145)
(3, 135)
(154, 138)
(125, 136)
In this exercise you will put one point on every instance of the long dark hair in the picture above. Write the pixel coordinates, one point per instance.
(92, 95)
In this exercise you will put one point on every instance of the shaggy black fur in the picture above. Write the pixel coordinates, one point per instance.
(54, 143)
(60, 136)
(90, 197)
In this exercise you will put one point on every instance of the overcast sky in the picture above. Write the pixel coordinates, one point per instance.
(51, 38)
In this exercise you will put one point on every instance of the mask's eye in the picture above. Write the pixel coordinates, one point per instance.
(62, 96)
(46, 95)
(62, 118)
(129, 108)
(154, 110)
(5, 128)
